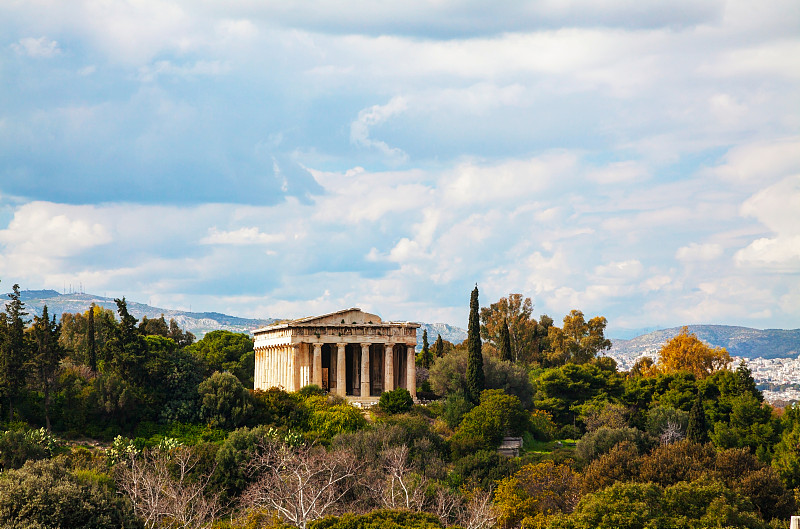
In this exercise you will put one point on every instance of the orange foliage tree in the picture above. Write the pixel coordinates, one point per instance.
(685, 352)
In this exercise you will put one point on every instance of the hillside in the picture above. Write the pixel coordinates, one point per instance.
(739, 341)
(450, 333)
(199, 323)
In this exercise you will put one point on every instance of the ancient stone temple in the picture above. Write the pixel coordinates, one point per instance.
(350, 353)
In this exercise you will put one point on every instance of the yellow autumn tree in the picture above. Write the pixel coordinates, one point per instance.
(535, 493)
(686, 352)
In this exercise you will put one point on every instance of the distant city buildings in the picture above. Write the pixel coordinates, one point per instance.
(777, 378)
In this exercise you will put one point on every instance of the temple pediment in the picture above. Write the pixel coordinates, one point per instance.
(346, 316)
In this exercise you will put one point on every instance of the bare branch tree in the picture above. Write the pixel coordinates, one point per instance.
(302, 483)
(164, 491)
(672, 433)
(479, 511)
(473, 510)
(400, 488)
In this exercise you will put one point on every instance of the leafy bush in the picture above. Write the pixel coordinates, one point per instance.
(45, 494)
(229, 476)
(380, 519)
(455, 407)
(225, 401)
(226, 351)
(481, 469)
(395, 401)
(542, 426)
(536, 491)
(696, 504)
(309, 390)
(336, 419)
(596, 443)
(17, 447)
(449, 375)
(277, 407)
(485, 425)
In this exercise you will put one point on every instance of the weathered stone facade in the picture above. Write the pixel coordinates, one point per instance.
(350, 353)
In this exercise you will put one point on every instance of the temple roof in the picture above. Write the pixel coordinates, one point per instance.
(347, 316)
(351, 316)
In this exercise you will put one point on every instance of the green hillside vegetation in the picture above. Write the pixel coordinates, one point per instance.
(109, 421)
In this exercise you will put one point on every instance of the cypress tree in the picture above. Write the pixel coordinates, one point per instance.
(438, 346)
(697, 430)
(425, 357)
(47, 355)
(13, 350)
(505, 342)
(475, 380)
(90, 340)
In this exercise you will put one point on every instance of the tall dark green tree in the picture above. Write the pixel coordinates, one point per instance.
(90, 340)
(697, 430)
(126, 351)
(505, 342)
(425, 356)
(475, 379)
(47, 355)
(438, 346)
(13, 350)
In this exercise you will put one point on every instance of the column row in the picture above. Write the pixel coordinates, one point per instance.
(277, 366)
(292, 366)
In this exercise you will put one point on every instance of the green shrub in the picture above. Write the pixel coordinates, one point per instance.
(396, 401)
(332, 420)
(309, 390)
(225, 401)
(455, 407)
(380, 519)
(483, 427)
(45, 494)
(601, 441)
(277, 407)
(17, 447)
(481, 469)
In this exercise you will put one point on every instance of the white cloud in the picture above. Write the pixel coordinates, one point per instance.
(625, 270)
(699, 252)
(619, 172)
(40, 229)
(510, 180)
(242, 236)
(41, 47)
(760, 162)
(205, 68)
(376, 115)
(777, 208)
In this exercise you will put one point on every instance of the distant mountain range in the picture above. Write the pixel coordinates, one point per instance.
(739, 341)
(198, 323)
(450, 333)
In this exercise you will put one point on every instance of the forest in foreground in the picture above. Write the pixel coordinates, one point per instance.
(108, 421)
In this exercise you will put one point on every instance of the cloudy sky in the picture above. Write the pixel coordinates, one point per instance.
(636, 160)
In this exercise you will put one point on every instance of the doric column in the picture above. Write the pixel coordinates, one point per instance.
(282, 353)
(296, 365)
(365, 370)
(388, 367)
(262, 369)
(317, 378)
(268, 366)
(411, 370)
(341, 371)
